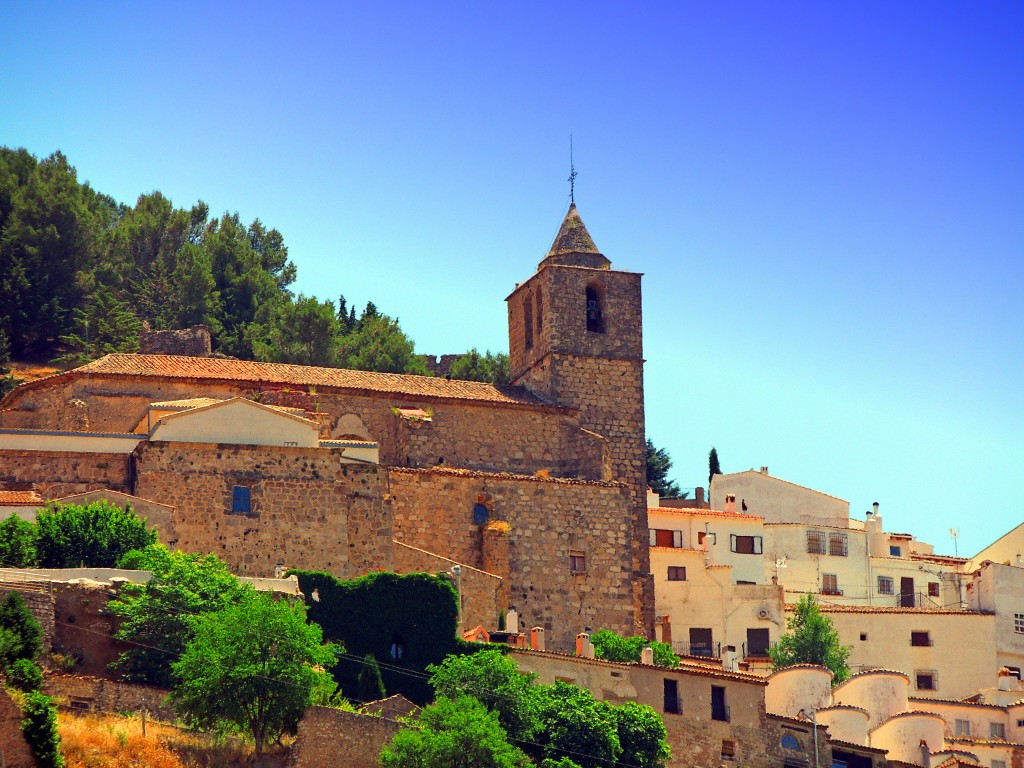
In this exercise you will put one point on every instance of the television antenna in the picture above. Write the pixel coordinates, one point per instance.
(954, 533)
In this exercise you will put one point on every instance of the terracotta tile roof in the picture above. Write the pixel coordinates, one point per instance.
(780, 480)
(817, 667)
(957, 702)
(746, 677)
(220, 369)
(19, 498)
(688, 550)
(905, 713)
(938, 558)
(831, 608)
(192, 402)
(985, 742)
(690, 512)
(876, 671)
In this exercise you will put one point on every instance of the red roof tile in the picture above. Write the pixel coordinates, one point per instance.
(20, 498)
(220, 369)
(690, 512)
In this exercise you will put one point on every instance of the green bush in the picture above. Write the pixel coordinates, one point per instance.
(20, 635)
(17, 543)
(25, 675)
(40, 729)
(93, 536)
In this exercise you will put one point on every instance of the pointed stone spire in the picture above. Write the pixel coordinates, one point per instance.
(573, 246)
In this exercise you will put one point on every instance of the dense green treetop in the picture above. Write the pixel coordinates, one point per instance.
(79, 273)
(658, 465)
(613, 647)
(810, 638)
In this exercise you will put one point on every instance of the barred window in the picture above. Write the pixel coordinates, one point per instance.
(677, 573)
(885, 585)
(1018, 623)
(933, 589)
(816, 542)
(838, 544)
(926, 679)
(830, 584)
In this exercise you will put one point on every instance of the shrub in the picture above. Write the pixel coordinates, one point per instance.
(25, 675)
(17, 543)
(20, 635)
(93, 536)
(40, 729)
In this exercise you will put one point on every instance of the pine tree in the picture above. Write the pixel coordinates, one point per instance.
(371, 686)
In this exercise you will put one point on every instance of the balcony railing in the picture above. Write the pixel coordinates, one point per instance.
(758, 651)
(720, 712)
(714, 650)
(831, 591)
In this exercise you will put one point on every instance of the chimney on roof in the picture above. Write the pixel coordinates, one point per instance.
(698, 495)
(512, 621)
(584, 648)
(665, 623)
(1007, 680)
(764, 470)
(730, 502)
(874, 508)
(537, 638)
(647, 656)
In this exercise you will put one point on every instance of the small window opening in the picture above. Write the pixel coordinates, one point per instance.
(920, 638)
(595, 312)
(728, 749)
(677, 573)
(577, 561)
(397, 648)
(540, 311)
(672, 705)
(528, 323)
(480, 514)
(240, 500)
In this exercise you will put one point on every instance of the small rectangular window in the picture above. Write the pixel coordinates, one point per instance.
(665, 538)
(1018, 623)
(998, 764)
(933, 589)
(240, 500)
(745, 545)
(926, 679)
(830, 584)
(672, 705)
(920, 638)
(962, 727)
(728, 749)
(838, 544)
(677, 573)
(895, 551)
(997, 731)
(577, 562)
(885, 585)
(816, 542)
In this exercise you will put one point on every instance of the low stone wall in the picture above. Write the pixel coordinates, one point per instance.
(62, 473)
(332, 737)
(84, 693)
(479, 589)
(14, 750)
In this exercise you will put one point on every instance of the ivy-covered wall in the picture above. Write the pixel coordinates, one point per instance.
(405, 622)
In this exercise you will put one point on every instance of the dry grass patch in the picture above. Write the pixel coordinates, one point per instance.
(112, 741)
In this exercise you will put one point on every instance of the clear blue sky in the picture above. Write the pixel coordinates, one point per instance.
(827, 199)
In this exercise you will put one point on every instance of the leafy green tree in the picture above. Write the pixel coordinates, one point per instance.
(158, 616)
(371, 686)
(810, 638)
(304, 332)
(453, 734)
(378, 344)
(93, 536)
(642, 735)
(254, 665)
(492, 678)
(577, 726)
(713, 466)
(613, 647)
(473, 366)
(40, 728)
(17, 543)
(104, 326)
(20, 635)
(658, 465)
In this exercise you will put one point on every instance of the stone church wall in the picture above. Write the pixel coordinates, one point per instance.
(547, 520)
(308, 509)
(333, 737)
(57, 473)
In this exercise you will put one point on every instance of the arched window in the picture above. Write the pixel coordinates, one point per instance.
(540, 311)
(595, 309)
(528, 323)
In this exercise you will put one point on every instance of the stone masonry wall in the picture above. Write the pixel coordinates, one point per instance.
(548, 519)
(332, 737)
(58, 473)
(479, 589)
(308, 509)
(194, 341)
(13, 747)
(84, 628)
(82, 692)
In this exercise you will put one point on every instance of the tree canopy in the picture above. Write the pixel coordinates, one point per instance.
(473, 366)
(254, 665)
(613, 647)
(810, 638)
(658, 465)
(713, 466)
(79, 272)
(158, 617)
(96, 535)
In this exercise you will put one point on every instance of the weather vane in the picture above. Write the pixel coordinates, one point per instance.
(572, 174)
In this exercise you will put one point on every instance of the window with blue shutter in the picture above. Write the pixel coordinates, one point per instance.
(240, 500)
